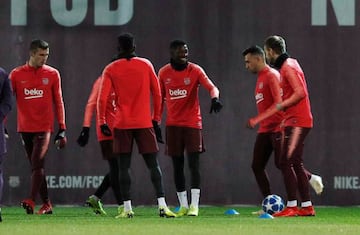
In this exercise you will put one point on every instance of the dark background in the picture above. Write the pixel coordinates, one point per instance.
(216, 32)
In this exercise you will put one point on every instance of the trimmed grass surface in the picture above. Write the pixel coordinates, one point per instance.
(212, 220)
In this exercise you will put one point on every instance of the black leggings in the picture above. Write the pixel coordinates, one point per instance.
(155, 174)
(111, 179)
(179, 176)
(291, 162)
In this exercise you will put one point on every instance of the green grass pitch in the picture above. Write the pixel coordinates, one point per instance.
(211, 220)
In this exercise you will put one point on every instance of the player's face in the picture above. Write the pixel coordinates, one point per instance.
(269, 54)
(180, 54)
(39, 57)
(252, 63)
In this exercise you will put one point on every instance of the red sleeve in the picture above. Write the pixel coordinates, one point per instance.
(296, 83)
(163, 94)
(59, 103)
(104, 91)
(208, 84)
(156, 95)
(91, 103)
(275, 89)
(13, 83)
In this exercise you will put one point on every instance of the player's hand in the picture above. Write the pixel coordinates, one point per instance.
(83, 138)
(157, 130)
(105, 130)
(60, 139)
(216, 105)
(251, 123)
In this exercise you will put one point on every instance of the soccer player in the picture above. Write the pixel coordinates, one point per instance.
(297, 124)
(5, 107)
(179, 82)
(37, 88)
(268, 139)
(134, 82)
(106, 144)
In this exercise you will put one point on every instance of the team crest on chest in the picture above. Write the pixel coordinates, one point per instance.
(261, 85)
(167, 80)
(187, 81)
(45, 81)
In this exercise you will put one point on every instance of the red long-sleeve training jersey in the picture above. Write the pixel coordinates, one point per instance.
(38, 92)
(267, 94)
(90, 109)
(180, 92)
(134, 82)
(292, 77)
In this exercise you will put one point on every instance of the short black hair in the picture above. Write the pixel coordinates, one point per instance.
(126, 42)
(276, 43)
(254, 50)
(38, 43)
(177, 43)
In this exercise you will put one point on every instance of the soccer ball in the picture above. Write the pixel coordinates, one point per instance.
(272, 204)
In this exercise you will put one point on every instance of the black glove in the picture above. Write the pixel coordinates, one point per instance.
(216, 105)
(105, 130)
(84, 136)
(60, 139)
(157, 130)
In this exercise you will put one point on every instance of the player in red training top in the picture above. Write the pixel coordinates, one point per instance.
(111, 179)
(37, 88)
(6, 104)
(268, 139)
(179, 82)
(298, 122)
(134, 82)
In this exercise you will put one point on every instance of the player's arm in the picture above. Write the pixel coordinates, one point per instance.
(297, 85)
(91, 104)
(6, 100)
(157, 103)
(60, 138)
(13, 82)
(104, 92)
(156, 94)
(214, 92)
(163, 93)
(89, 110)
(205, 81)
(58, 101)
(275, 90)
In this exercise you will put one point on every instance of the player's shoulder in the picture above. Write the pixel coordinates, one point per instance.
(273, 73)
(19, 69)
(291, 65)
(142, 60)
(195, 66)
(2, 71)
(97, 82)
(268, 74)
(165, 68)
(50, 71)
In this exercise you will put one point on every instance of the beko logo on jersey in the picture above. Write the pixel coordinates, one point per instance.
(259, 97)
(33, 93)
(177, 94)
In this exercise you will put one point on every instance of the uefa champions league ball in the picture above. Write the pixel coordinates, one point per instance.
(272, 204)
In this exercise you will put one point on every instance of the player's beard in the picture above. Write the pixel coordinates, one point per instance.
(178, 66)
(270, 60)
